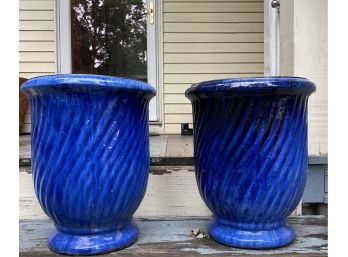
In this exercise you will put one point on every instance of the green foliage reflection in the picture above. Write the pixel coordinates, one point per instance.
(109, 37)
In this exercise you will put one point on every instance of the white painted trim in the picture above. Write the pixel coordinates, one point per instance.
(64, 60)
(160, 87)
(63, 36)
(271, 39)
(153, 64)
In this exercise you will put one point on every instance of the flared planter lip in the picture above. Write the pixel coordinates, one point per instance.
(86, 83)
(277, 85)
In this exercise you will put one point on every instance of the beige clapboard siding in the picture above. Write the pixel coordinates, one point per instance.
(172, 128)
(37, 67)
(213, 17)
(213, 47)
(194, 78)
(212, 27)
(43, 5)
(177, 108)
(176, 88)
(213, 37)
(37, 57)
(212, 68)
(37, 35)
(175, 118)
(30, 75)
(36, 15)
(175, 99)
(37, 45)
(205, 40)
(210, 58)
(213, 6)
(36, 25)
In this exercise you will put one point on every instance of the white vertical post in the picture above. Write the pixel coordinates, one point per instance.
(63, 36)
(152, 57)
(271, 39)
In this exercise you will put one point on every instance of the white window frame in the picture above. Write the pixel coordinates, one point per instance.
(64, 60)
(271, 39)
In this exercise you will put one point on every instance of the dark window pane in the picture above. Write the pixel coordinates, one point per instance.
(109, 37)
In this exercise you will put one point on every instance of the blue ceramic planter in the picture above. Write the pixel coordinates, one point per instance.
(90, 158)
(250, 139)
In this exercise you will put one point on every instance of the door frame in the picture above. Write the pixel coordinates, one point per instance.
(64, 60)
(271, 39)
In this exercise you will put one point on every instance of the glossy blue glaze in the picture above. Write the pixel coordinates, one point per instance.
(90, 158)
(250, 141)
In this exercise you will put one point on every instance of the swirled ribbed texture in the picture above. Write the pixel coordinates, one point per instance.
(251, 164)
(90, 159)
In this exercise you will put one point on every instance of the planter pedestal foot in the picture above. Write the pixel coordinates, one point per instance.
(249, 238)
(94, 243)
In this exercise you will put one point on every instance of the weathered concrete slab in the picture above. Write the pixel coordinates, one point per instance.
(179, 146)
(158, 145)
(172, 237)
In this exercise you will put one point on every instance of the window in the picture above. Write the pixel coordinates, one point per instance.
(109, 37)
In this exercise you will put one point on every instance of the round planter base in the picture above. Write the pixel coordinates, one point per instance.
(92, 244)
(254, 239)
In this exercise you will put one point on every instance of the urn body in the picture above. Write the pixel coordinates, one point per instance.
(250, 142)
(90, 158)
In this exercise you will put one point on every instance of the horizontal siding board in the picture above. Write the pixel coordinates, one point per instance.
(36, 5)
(30, 75)
(36, 42)
(37, 67)
(36, 25)
(213, 58)
(213, 37)
(205, 40)
(176, 99)
(176, 88)
(37, 56)
(208, 7)
(213, 27)
(37, 46)
(172, 128)
(36, 15)
(194, 78)
(213, 17)
(173, 118)
(37, 36)
(177, 108)
(213, 47)
(212, 68)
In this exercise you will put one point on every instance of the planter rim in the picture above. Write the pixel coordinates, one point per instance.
(282, 85)
(85, 83)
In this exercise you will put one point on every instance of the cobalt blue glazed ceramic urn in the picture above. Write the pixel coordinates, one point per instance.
(90, 158)
(250, 141)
